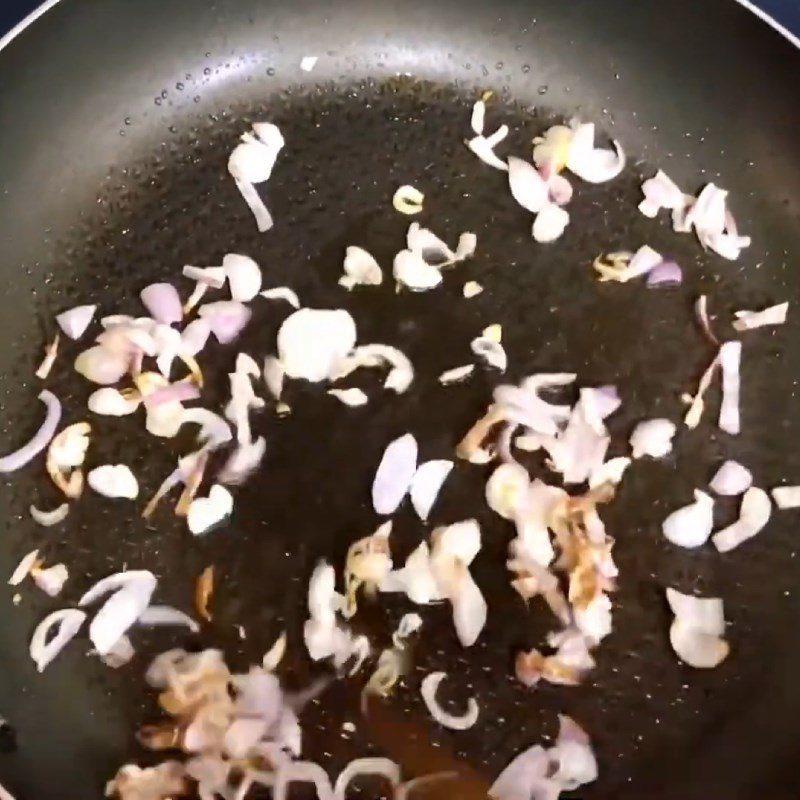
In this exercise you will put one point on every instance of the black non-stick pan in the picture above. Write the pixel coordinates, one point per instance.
(116, 121)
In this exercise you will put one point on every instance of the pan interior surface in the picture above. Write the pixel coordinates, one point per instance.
(160, 197)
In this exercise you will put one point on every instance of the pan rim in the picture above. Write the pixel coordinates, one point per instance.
(25, 23)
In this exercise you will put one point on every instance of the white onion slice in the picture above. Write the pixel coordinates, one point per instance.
(469, 610)
(471, 289)
(41, 438)
(429, 688)
(207, 512)
(731, 479)
(408, 200)
(697, 404)
(408, 625)
(609, 472)
(301, 772)
(22, 570)
(660, 191)
(394, 474)
(312, 341)
(624, 267)
(652, 438)
(400, 376)
(244, 277)
(120, 654)
(49, 518)
(122, 609)
(360, 269)
(526, 778)
(506, 489)
(754, 514)
(690, 526)
(115, 480)
(50, 355)
(696, 633)
(274, 656)
(256, 205)
(550, 223)
(591, 164)
(478, 117)
(51, 580)
(415, 579)
(730, 355)
(349, 397)
(786, 497)
(162, 302)
(483, 147)
(43, 651)
(210, 276)
(412, 271)
(154, 616)
(75, 321)
(490, 351)
(282, 293)
(456, 375)
(274, 374)
(573, 754)
(307, 63)
(243, 462)
(252, 162)
(426, 485)
(382, 767)
(774, 315)
(527, 186)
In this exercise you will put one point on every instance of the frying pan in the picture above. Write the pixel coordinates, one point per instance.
(117, 119)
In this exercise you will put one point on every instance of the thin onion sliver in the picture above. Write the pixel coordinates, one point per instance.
(428, 689)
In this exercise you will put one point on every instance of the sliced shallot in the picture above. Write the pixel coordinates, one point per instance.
(75, 321)
(226, 318)
(429, 688)
(163, 302)
(41, 438)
